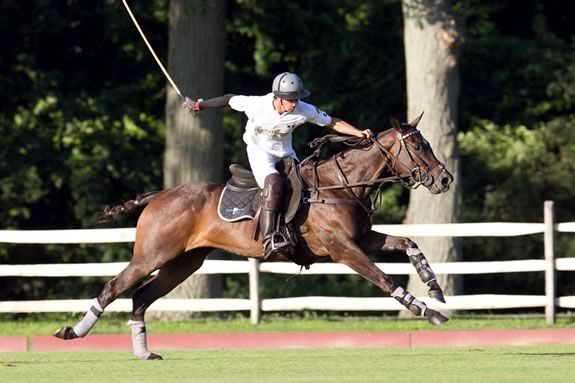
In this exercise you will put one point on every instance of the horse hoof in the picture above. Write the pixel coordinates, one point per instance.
(435, 317)
(437, 295)
(153, 356)
(65, 333)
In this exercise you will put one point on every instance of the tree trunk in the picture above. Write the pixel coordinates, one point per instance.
(432, 36)
(194, 145)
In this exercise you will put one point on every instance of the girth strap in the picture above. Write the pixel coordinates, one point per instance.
(340, 201)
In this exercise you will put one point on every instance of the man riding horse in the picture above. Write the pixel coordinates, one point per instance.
(268, 135)
(179, 227)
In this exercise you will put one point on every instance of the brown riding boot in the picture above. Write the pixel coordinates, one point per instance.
(274, 242)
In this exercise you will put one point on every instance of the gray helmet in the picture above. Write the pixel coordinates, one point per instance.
(289, 86)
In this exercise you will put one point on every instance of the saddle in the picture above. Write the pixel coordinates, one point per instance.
(240, 198)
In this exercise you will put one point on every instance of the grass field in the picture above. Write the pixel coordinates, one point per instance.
(482, 365)
(116, 324)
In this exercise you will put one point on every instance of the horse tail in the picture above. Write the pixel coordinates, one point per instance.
(113, 212)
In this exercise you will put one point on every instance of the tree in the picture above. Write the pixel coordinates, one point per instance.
(432, 36)
(194, 145)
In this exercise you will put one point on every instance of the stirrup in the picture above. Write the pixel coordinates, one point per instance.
(273, 246)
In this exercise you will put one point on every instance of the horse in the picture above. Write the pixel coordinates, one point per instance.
(179, 227)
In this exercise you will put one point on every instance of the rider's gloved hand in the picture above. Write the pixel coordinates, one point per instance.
(367, 133)
(192, 106)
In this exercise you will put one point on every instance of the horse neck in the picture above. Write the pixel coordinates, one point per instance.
(358, 165)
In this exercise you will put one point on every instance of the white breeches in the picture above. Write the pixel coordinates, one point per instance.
(262, 163)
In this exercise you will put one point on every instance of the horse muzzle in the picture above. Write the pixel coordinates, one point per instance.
(441, 182)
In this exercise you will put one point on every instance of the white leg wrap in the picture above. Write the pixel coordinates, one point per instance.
(412, 251)
(139, 339)
(89, 320)
(399, 292)
(421, 306)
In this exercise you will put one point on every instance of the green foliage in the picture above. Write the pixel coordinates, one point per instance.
(81, 125)
(346, 51)
(391, 207)
(525, 167)
(520, 72)
(517, 123)
(516, 169)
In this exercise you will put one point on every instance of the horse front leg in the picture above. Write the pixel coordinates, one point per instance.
(377, 243)
(349, 253)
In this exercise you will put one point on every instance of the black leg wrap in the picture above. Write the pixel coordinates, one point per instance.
(421, 264)
(418, 308)
(435, 291)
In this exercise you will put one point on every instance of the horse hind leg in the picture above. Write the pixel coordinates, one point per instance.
(168, 277)
(112, 290)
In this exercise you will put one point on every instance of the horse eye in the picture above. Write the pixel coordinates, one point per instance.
(417, 147)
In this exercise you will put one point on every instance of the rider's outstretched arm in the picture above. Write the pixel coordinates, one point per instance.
(343, 127)
(216, 102)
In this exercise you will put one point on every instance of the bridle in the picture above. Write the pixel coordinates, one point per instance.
(409, 177)
(414, 177)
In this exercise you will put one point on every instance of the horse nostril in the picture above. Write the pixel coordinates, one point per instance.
(445, 181)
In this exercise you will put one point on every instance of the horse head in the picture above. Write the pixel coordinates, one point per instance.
(413, 160)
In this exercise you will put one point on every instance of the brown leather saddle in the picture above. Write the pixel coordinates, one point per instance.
(240, 198)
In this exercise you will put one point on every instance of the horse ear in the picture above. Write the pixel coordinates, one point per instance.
(416, 121)
(394, 123)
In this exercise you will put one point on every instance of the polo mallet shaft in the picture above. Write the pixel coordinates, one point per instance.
(152, 50)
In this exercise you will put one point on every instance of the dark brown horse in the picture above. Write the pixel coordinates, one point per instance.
(179, 227)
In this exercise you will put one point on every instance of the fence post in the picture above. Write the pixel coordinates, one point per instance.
(548, 238)
(255, 301)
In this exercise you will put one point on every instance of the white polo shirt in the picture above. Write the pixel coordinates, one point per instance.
(271, 131)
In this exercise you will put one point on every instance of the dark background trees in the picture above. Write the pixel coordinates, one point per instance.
(82, 113)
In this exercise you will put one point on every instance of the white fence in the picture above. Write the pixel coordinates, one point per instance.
(253, 268)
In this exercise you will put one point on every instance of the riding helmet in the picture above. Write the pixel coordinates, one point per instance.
(289, 87)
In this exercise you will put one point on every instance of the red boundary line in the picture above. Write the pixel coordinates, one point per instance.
(13, 343)
(299, 340)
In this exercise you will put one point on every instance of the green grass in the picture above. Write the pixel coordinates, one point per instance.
(116, 324)
(547, 364)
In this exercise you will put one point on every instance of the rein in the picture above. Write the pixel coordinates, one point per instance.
(415, 176)
(353, 142)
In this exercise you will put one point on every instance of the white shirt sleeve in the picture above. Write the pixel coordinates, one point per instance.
(313, 114)
(240, 103)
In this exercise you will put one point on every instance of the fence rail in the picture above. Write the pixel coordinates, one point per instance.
(253, 268)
